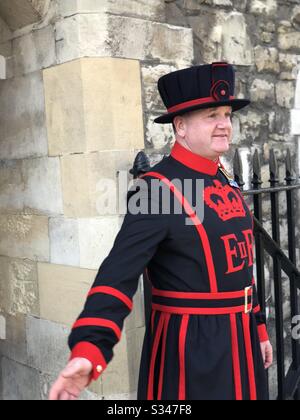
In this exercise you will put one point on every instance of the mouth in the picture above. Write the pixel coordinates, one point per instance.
(221, 136)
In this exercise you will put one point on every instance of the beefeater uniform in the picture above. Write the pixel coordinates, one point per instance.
(202, 341)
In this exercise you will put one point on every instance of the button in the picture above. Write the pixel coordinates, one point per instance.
(223, 92)
(99, 368)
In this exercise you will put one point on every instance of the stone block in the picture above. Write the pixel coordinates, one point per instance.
(253, 124)
(14, 346)
(262, 91)
(24, 236)
(63, 291)
(19, 382)
(31, 185)
(285, 94)
(42, 186)
(85, 104)
(158, 136)
(217, 33)
(2, 67)
(150, 76)
(90, 240)
(266, 59)
(46, 345)
(263, 7)
(152, 10)
(289, 40)
(98, 193)
(30, 11)
(34, 51)
(11, 186)
(96, 238)
(5, 32)
(64, 241)
(295, 121)
(239, 53)
(119, 36)
(2, 329)
(22, 117)
(18, 286)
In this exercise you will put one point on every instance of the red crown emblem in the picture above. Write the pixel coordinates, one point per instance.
(224, 200)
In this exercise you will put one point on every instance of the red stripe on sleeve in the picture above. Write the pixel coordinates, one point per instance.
(98, 322)
(113, 292)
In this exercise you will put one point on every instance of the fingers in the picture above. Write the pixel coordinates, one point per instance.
(267, 355)
(64, 388)
(77, 367)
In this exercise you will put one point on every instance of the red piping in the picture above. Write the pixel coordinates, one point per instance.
(236, 359)
(182, 340)
(202, 233)
(249, 357)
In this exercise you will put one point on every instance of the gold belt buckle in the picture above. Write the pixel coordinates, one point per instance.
(246, 290)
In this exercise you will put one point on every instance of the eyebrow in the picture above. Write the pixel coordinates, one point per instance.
(213, 111)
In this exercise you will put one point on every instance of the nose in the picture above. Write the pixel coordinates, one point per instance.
(224, 122)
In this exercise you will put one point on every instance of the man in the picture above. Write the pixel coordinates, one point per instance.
(207, 337)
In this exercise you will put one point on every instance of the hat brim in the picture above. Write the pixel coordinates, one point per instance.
(236, 105)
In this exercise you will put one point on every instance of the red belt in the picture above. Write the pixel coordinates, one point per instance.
(219, 303)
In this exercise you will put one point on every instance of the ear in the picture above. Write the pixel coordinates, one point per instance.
(180, 125)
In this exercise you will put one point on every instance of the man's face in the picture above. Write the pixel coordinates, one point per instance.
(207, 132)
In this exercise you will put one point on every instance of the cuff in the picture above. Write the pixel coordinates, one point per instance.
(262, 333)
(90, 352)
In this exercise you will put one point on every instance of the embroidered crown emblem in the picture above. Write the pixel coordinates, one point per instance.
(225, 201)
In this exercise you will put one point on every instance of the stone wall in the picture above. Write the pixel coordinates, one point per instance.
(72, 68)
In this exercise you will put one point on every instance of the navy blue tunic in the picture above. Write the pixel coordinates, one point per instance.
(203, 339)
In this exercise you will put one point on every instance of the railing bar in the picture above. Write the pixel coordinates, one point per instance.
(272, 189)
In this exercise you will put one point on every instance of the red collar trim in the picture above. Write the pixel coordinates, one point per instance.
(194, 161)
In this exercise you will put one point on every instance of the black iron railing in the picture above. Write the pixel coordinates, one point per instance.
(288, 384)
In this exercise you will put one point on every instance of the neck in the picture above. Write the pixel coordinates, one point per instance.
(184, 143)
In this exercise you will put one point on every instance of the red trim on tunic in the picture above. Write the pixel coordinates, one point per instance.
(202, 233)
(92, 353)
(199, 311)
(249, 356)
(236, 359)
(194, 161)
(163, 355)
(256, 309)
(156, 341)
(262, 333)
(98, 322)
(195, 102)
(113, 292)
(200, 295)
(152, 321)
(182, 341)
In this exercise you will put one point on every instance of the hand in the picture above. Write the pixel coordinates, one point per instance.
(267, 353)
(72, 380)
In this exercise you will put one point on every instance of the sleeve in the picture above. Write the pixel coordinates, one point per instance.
(109, 302)
(260, 316)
